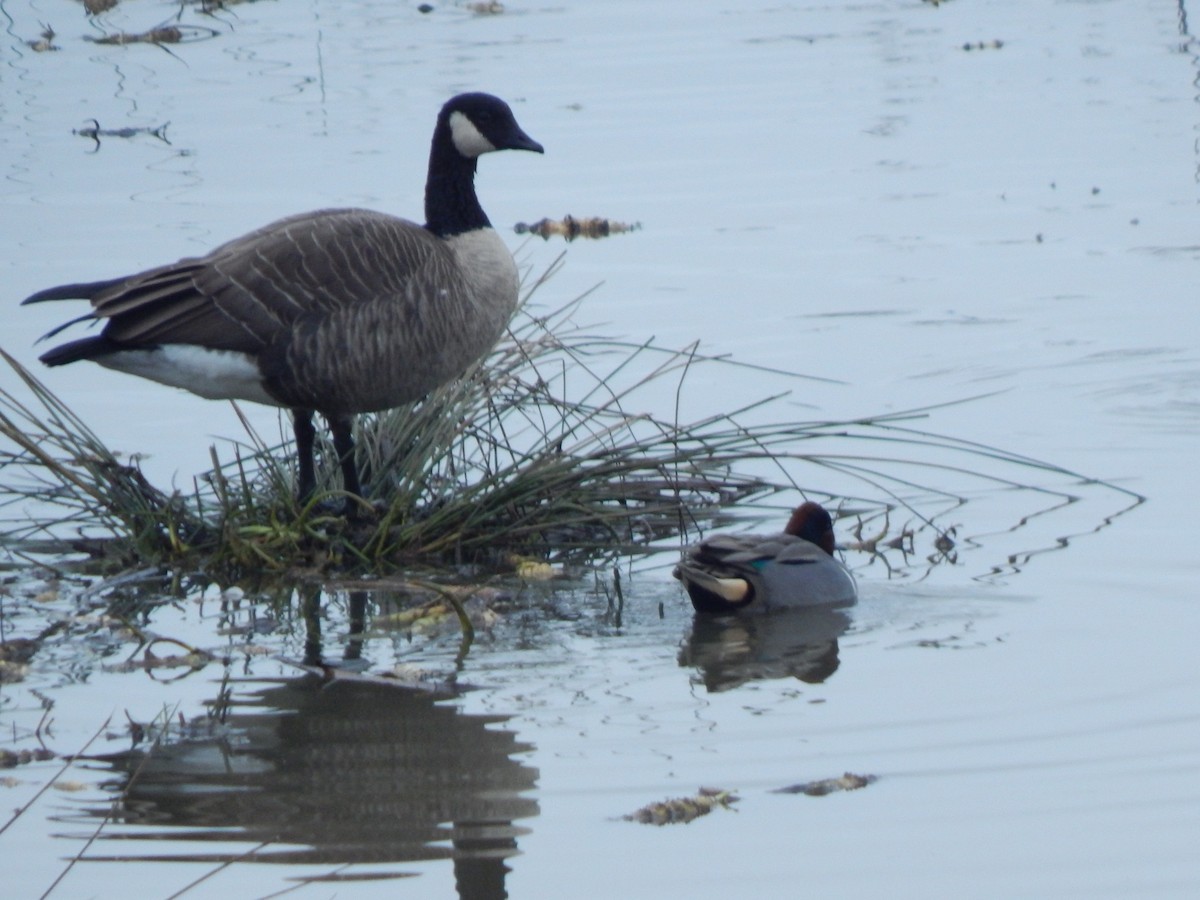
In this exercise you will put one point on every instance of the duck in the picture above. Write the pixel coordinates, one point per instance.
(731, 573)
(335, 311)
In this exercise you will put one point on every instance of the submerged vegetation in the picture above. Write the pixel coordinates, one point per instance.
(544, 449)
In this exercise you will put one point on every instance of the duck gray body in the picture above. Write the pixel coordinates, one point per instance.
(338, 311)
(729, 572)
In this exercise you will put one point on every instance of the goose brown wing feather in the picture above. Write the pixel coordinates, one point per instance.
(146, 290)
(245, 292)
(319, 263)
(402, 349)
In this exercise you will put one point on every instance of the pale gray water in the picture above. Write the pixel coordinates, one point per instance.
(837, 189)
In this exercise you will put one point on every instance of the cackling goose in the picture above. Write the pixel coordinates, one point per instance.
(338, 311)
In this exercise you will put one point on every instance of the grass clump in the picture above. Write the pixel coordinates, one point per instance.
(540, 450)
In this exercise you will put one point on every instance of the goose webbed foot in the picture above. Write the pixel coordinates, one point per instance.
(351, 508)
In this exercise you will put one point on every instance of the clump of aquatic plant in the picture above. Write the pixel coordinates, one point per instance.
(564, 442)
(83, 489)
(681, 810)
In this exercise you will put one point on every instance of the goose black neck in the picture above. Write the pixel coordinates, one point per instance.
(451, 206)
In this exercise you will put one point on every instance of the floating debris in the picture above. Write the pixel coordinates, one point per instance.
(95, 132)
(163, 34)
(847, 782)
(683, 809)
(72, 787)
(14, 659)
(16, 653)
(45, 41)
(18, 650)
(192, 658)
(209, 7)
(10, 759)
(945, 540)
(151, 662)
(571, 227)
(414, 679)
(531, 569)
(877, 543)
(983, 45)
(486, 9)
(95, 7)
(452, 606)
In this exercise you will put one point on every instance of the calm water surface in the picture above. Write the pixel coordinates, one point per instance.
(877, 194)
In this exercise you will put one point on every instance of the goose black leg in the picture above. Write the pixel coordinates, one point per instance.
(343, 444)
(305, 435)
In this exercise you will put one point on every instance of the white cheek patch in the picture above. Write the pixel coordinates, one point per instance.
(467, 138)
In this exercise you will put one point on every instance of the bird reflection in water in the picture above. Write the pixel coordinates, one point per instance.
(729, 651)
(333, 771)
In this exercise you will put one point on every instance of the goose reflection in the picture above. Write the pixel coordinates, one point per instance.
(335, 772)
(729, 651)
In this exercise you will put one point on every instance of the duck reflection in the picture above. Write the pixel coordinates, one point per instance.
(320, 770)
(729, 651)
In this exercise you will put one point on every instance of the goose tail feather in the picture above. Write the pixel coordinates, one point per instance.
(84, 290)
(73, 351)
